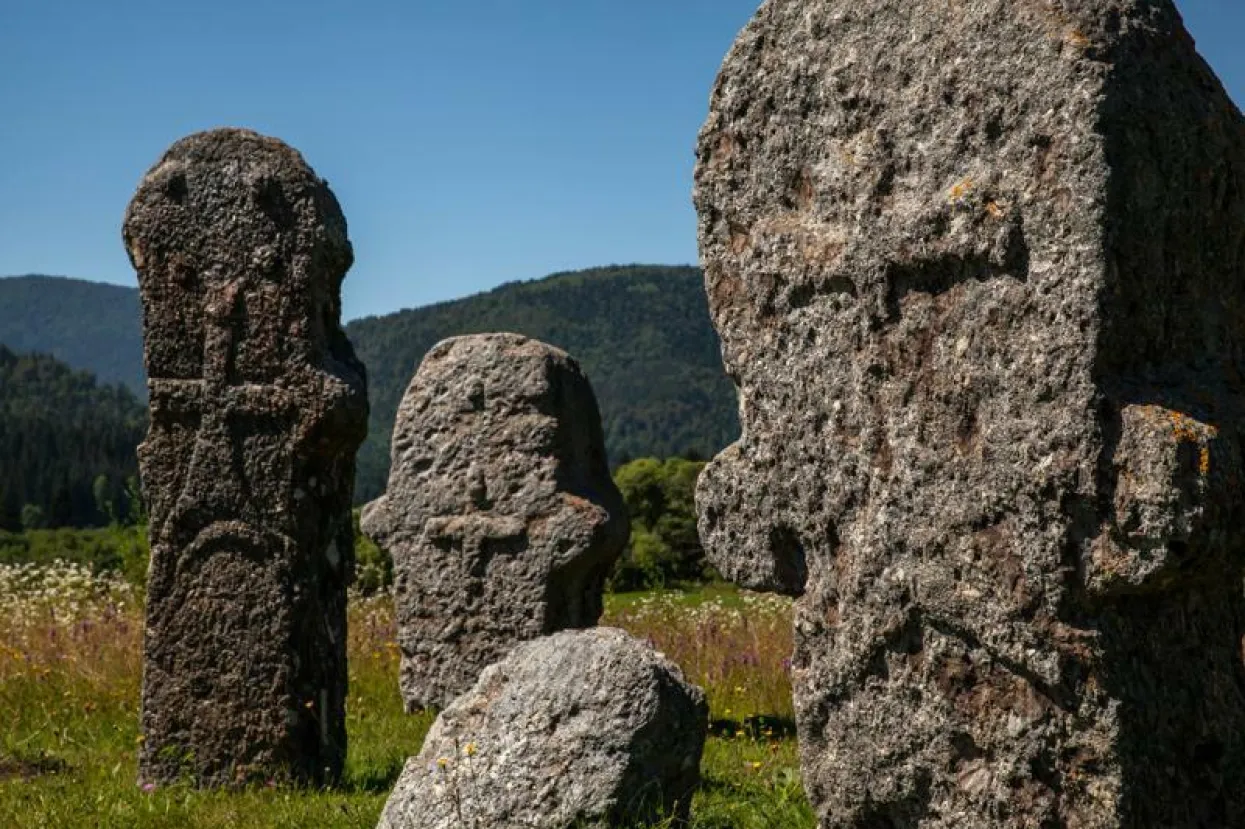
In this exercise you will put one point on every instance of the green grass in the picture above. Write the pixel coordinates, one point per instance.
(70, 664)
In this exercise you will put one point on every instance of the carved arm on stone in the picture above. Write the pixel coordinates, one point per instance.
(1174, 478)
(578, 528)
(740, 523)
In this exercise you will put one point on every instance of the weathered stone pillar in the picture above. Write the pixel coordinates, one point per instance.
(257, 407)
(979, 272)
(501, 516)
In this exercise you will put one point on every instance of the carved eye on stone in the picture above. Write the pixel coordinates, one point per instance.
(175, 187)
(270, 198)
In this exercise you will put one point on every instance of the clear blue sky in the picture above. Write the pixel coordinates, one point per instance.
(471, 142)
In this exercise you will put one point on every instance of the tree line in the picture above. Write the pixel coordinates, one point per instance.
(67, 445)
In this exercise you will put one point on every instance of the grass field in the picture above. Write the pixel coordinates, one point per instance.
(70, 662)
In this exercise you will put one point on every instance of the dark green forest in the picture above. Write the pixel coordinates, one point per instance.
(66, 445)
(641, 332)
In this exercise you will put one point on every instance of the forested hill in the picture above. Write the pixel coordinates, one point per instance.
(89, 325)
(67, 444)
(642, 333)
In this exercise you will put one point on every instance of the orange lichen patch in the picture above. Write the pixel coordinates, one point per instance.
(1077, 39)
(995, 210)
(960, 190)
(1181, 427)
(1186, 429)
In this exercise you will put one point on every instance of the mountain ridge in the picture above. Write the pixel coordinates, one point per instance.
(91, 326)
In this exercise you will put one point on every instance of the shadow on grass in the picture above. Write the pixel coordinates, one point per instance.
(376, 778)
(757, 728)
(28, 767)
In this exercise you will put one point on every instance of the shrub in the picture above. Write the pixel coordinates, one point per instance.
(665, 548)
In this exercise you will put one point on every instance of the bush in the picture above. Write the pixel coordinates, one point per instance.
(665, 547)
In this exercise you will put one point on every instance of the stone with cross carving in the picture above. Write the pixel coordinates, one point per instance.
(978, 268)
(500, 514)
(257, 405)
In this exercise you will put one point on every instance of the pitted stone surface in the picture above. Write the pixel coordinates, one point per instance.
(583, 728)
(978, 268)
(501, 516)
(257, 408)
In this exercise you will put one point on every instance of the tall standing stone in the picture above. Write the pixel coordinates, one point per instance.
(257, 407)
(501, 516)
(979, 272)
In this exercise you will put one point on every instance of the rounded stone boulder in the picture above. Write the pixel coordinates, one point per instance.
(581, 728)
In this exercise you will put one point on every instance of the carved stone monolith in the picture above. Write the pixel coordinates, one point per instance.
(257, 408)
(978, 268)
(501, 516)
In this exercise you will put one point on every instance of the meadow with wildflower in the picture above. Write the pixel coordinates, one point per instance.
(70, 669)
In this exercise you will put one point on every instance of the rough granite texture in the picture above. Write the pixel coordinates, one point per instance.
(257, 408)
(978, 268)
(583, 728)
(500, 514)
